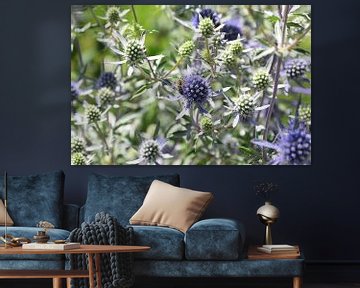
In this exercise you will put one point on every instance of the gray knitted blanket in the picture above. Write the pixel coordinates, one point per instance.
(116, 268)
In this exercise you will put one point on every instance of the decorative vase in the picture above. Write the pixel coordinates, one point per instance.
(268, 214)
(41, 237)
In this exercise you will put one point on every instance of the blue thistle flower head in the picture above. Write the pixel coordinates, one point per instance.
(296, 68)
(293, 145)
(108, 80)
(206, 13)
(195, 89)
(231, 30)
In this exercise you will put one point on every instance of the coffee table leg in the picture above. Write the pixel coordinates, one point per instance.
(68, 282)
(98, 270)
(297, 282)
(57, 283)
(91, 270)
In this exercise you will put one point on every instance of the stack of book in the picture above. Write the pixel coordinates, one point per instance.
(278, 249)
(273, 252)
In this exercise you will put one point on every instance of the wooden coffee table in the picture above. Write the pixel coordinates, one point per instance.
(57, 275)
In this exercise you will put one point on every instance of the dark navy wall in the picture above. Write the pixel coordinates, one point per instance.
(318, 203)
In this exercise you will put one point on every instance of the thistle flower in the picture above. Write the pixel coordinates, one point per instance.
(293, 145)
(244, 107)
(296, 68)
(151, 152)
(206, 13)
(78, 159)
(206, 27)
(186, 49)
(305, 114)
(261, 80)
(195, 89)
(108, 80)
(228, 58)
(236, 47)
(135, 52)
(105, 95)
(113, 15)
(77, 145)
(206, 124)
(231, 30)
(92, 113)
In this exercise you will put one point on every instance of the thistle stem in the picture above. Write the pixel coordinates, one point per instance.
(174, 67)
(209, 56)
(102, 136)
(276, 78)
(296, 41)
(151, 69)
(134, 13)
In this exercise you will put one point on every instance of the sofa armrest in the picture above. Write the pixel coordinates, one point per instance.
(71, 216)
(215, 239)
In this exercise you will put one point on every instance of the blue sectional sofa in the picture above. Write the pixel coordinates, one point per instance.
(210, 248)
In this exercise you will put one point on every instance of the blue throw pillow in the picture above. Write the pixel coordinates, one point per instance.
(35, 198)
(120, 196)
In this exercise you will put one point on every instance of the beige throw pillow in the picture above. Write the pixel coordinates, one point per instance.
(10, 222)
(170, 206)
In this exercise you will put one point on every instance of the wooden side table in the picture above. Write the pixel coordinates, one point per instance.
(254, 254)
(57, 275)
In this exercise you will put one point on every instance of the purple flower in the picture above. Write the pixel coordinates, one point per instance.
(293, 145)
(231, 30)
(108, 80)
(195, 89)
(206, 13)
(75, 90)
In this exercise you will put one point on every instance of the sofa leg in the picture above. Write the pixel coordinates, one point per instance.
(297, 282)
(57, 283)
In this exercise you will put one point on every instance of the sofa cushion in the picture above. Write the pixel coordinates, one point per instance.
(165, 243)
(119, 196)
(214, 239)
(170, 206)
(29, 232)
(35, 198)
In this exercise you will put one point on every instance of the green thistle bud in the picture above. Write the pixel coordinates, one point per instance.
(92, 113)
(228, 58)
(78, 159)
(216, 40)
(206, 27)
(105, 95)
(206, 124)
(236, 47)
(261, 80)
(245, 106)
(77, 145)
(135, 52)
(113, 15)
(305, 114)
(187, 48)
